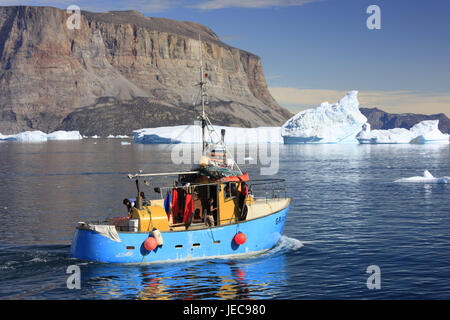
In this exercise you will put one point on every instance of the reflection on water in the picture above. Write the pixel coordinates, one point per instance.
(251, 278)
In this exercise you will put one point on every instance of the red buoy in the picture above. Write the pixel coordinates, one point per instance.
(150, 243)
(240, 238)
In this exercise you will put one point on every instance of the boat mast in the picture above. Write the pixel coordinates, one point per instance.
(203, 116)
(203, 94)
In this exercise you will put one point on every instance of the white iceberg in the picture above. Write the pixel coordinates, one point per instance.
(39, 136)
(423, 132)
(27, 136)
(111, 136)
(428, 132)
(193, 134)
(396, 135)
(426, 178)
(329, 123)
(64, 135)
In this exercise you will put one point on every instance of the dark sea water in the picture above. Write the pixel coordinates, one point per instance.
(346, 214)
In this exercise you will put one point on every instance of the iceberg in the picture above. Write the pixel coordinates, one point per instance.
(428, 132)
(426, 178)
(423, 132)
(39, 136)
(111, 136)
(193, 134)
(27, 136)
(64, 135)
(329, 123)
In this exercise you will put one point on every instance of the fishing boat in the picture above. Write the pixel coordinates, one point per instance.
(212, 211)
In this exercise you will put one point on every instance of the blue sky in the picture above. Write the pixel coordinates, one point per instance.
(316, 50)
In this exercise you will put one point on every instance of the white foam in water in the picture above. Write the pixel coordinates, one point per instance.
(37, 259)
(287, 244)
(426, 178)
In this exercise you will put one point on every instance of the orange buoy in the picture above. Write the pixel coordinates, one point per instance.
(150, 243)
(240, 238)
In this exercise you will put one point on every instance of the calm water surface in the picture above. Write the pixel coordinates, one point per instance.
(346, 215)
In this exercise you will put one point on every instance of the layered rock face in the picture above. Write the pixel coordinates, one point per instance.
(122, 71)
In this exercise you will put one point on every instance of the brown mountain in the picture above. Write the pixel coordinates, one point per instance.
(121, 71)
(380, 119)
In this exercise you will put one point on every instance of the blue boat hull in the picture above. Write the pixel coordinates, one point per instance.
(262, 234)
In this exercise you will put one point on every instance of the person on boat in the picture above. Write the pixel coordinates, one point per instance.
(144, 199)
(242, 198)
(212, 214)
(129, 204)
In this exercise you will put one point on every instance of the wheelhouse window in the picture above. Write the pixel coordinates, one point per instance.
(230, 190)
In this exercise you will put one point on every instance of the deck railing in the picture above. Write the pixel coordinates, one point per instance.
(268, 189)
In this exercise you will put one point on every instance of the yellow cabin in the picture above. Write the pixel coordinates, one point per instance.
(220, 199)
(151, 217)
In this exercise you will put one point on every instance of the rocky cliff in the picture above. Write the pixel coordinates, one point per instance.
(121, 71)
(380, 119)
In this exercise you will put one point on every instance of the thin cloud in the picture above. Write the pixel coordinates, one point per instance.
(221, 4)
(153, 5)
(389, 101)
(231, 37)
(146, 6)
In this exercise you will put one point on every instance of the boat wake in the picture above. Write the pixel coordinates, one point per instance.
(23, 257)
(285, 245)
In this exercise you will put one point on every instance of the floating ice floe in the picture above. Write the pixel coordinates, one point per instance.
(193, 134)
(64, 135)
(124, 143)
(426, 178)
(329, 123)
(111, 136)
(39, 136)
(422, 133)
